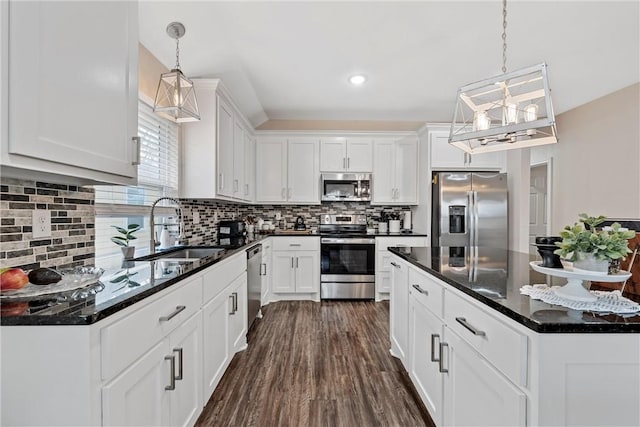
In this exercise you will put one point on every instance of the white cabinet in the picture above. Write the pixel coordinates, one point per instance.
(353, 154)
(266, 272)
(444, 156)
(399, 309)
(296, 266)
(72, 109)
(395, 167)
(249, 188)
(383, 260)
(287, 170)
(216, 152)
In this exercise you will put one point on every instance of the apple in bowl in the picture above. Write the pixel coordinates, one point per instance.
(12, 279)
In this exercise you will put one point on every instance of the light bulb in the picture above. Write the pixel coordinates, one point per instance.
(481, 120)
(357, 79)
(511, 113)
(531, 113)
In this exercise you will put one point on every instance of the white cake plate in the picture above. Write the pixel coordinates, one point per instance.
(574, 290)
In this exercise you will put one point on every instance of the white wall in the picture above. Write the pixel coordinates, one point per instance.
(596, 163)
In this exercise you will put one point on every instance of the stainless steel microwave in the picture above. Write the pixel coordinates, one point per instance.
(346, 187)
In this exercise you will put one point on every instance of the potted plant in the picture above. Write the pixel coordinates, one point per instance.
(592, 249)
(123, 239)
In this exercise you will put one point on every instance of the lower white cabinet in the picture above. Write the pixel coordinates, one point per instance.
(296, 267)
(383, 260)
(163, 386)
(266, 272)
(399, 309)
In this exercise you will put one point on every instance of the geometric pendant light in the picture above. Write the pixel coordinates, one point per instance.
(509, 111)
(176, 97)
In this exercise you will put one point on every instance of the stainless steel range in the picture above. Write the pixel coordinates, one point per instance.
(347, 258)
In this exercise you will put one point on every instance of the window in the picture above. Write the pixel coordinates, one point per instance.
(157, 177)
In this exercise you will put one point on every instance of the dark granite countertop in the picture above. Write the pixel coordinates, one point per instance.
(499, 276)
(124, 286)
(314, 233)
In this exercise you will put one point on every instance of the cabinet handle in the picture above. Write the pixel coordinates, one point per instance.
(440, 367)
(291, 262)
(236, 184)
(174, 314)
(232, 310)
(296, 262)
(261, 269)
(235, 302)
(395, 265)
(348, 162)
(221, 185)
(172, 380)
(295, 244)
(136, 150)
(344, 163)
(419, 289)
(246, 189)
(469, 327)
(179, 351)
(433, 348)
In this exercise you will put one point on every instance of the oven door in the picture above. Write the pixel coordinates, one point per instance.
(347, 260)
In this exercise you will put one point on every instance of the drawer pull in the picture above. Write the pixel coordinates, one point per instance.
(263, 269)
(235, 302)
(172, 380)
(295, 244)
(179, 351)
(433, 348)
(233, 311)
(174, 314)
(419, 289)
(395, 265)
(440, 367)
(473, 330)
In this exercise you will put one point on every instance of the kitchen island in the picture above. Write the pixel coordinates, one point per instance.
(481, 353)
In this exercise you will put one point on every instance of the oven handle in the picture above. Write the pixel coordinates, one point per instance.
(349, 241)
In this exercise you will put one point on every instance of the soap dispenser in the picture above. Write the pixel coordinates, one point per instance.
(165, 237)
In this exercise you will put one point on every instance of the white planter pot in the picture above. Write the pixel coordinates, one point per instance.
(588, 262)
(128, 251)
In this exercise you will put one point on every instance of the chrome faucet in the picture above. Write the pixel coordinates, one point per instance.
(153, 243)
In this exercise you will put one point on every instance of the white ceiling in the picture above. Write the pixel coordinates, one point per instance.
(291, 60)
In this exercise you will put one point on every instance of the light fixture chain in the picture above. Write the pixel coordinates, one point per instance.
(504, 36)
(177, 54)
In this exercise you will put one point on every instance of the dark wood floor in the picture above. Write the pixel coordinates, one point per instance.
(317, 364)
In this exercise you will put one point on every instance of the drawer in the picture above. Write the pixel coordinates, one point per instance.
(382, 243)
(129, 338)
(220, 275)
(427, 291)
(296, 243)
(490, 335)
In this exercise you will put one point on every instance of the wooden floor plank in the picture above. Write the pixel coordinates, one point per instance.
(317, 364)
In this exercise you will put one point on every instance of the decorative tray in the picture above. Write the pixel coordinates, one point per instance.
(569, 272)
(76, 283)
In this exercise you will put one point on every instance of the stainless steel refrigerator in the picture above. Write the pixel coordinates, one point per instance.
(469, 209)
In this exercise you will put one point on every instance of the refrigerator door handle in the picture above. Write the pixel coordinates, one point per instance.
(474, 267)
(472, 218)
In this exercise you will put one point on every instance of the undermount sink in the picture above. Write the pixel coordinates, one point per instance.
(186, 254)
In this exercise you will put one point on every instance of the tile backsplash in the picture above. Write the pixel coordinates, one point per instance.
(72, 224)
(210, 212)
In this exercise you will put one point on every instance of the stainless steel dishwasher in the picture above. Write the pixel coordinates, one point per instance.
(254, 283)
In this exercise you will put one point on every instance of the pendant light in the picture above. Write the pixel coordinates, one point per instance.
(176, 97)
(512, 110)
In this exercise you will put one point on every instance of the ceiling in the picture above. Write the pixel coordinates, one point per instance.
(291, 60)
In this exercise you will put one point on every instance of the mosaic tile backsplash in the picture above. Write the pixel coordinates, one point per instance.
(72, 224)
(211, 212)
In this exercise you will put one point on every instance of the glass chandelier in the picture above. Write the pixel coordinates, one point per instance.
(176, 97)
(512, 110)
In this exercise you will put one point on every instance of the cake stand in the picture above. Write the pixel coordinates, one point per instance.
(574, 290)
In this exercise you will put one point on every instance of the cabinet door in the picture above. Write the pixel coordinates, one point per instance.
(238, 160)
(443, 155)
(283, 279)
(495, 160)
(333, 155)
(186, 346)
(304, 170)
(475, 392)
(271, 170)
(307, 271)
(406, 171)
(266, 274)
(383, 172)
(249, 190)
(226, 126)
(72, 70)
(425, 334)
(360, 154)
(238, 318)
(215, 317)
(137, 397)
(399, 309)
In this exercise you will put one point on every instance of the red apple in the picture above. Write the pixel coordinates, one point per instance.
(13, 278)
(13, 308)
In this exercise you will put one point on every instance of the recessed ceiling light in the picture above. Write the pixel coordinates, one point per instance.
(357, 79)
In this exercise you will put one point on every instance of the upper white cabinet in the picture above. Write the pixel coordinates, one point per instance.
(217, 149)
(395, 167)
(288, 170)
(443, 155)
(353, 154)
(249, 187)
(70, 89)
